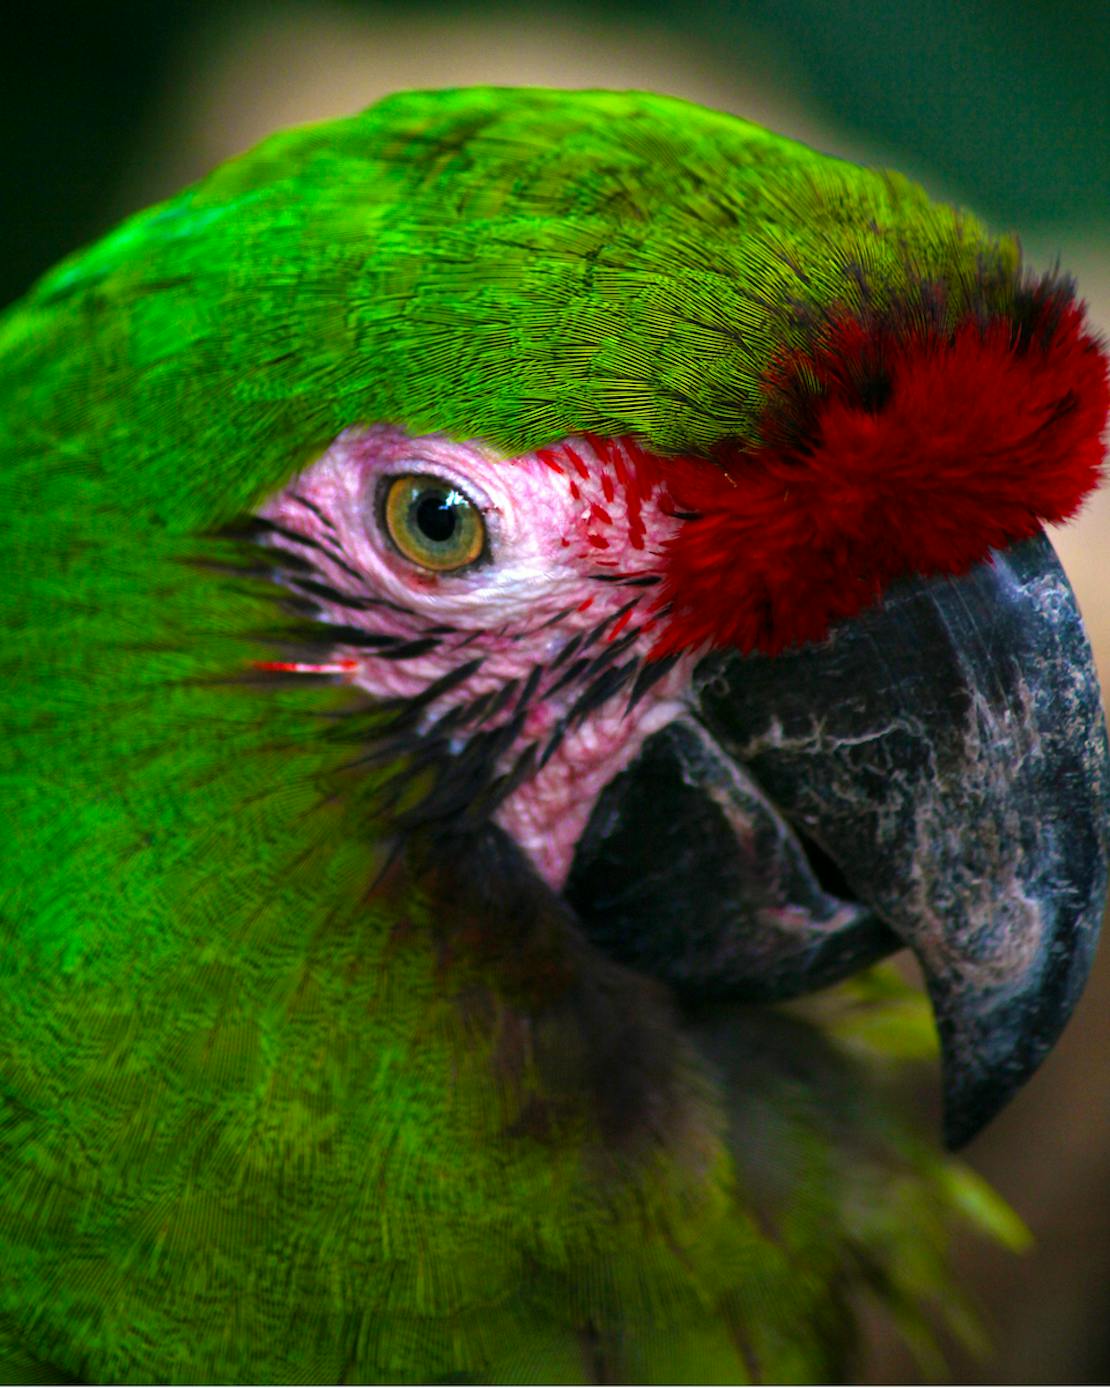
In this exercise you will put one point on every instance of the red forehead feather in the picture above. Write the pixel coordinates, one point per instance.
(918, 454)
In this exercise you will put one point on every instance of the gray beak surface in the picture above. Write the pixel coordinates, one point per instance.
(933, 775)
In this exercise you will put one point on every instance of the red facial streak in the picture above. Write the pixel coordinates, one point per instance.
(636, 489)
(547, 457)
(338, 666)
(579, 465)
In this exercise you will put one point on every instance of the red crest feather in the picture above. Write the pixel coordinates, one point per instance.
(885, 452)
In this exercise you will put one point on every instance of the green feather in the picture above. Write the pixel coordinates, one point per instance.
(268, 1113)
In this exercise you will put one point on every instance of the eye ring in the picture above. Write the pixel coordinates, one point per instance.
(431, 522)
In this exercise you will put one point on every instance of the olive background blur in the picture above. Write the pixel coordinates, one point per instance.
(1003, 107)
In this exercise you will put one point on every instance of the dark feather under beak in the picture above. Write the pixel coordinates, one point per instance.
(934, 775)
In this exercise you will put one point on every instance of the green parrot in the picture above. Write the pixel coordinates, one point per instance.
(516, 602)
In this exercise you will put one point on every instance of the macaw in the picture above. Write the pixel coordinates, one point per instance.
(516, 602)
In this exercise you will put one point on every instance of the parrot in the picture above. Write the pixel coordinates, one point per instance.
(518, 604)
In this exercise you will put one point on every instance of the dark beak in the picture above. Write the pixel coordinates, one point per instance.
(932, 775)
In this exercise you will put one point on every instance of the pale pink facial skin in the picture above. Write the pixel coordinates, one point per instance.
(558, 521)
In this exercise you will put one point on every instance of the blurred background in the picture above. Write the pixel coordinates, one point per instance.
(1002, 105)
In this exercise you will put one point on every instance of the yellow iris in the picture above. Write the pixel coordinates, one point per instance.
(432, 523)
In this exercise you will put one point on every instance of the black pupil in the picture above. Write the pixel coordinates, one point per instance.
(435, 517)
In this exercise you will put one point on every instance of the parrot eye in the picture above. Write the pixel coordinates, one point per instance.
(432, 523)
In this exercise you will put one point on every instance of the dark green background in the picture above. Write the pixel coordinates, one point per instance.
(1003, 106)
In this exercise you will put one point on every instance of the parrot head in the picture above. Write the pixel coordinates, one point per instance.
(495, 579)
(719, 588)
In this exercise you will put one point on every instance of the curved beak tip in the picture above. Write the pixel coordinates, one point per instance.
(974, 1095)
(967, 1109)
(994, 1038)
